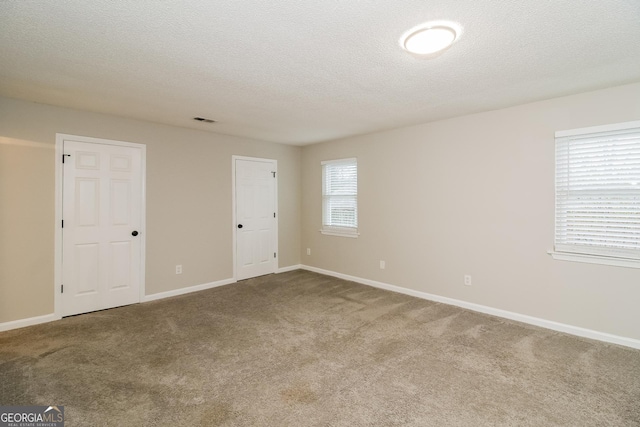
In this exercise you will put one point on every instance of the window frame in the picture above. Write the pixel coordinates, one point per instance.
(335, 230)
(582, 253)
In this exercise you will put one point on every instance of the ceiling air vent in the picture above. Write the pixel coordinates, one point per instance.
(203, 120)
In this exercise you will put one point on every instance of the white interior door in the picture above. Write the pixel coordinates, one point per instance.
(101, 233)
(256, 223)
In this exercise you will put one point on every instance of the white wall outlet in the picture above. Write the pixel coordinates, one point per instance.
(467, 280)
(178, 269)
(383, 265)
(308, 251)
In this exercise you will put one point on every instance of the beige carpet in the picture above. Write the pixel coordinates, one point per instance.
(302, 349)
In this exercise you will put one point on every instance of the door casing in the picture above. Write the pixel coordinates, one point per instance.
(59, 151)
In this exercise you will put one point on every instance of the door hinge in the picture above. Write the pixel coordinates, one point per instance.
(274, 174)
(62, 226)
(274, 214)
(62, 289)
(65, 155)
(274, 254)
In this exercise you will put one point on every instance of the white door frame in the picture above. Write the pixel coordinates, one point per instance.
(57, 270)
(233, 208)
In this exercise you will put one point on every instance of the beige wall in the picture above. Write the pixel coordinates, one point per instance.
(475, 195)
(188, 201)
(470, 195)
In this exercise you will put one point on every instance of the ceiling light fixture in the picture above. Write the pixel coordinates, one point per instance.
(430, 38)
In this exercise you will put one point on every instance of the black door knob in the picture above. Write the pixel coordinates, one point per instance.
(134, 233)
(239, 225)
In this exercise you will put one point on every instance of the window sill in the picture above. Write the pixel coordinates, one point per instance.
(595, 259)
(339, 233)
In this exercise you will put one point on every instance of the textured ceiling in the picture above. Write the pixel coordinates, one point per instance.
(303, 71)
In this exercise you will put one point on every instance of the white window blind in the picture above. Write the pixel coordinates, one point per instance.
(340, 197)
(598, 191)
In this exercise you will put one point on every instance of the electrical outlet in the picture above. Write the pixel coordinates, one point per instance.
(178, 269)
(467, 280)
(308, 251)
(383, 265)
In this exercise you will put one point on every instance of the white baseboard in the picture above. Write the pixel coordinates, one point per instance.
(182, 291)
(21, 323)
(548, 324)
(289, 268)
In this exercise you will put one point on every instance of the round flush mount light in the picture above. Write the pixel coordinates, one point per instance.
(430, 38)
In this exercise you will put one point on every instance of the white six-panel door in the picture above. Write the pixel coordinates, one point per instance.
(102, 214)
(255, 217)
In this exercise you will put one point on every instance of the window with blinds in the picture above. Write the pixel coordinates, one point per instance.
(340, 197)
(598, 191)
